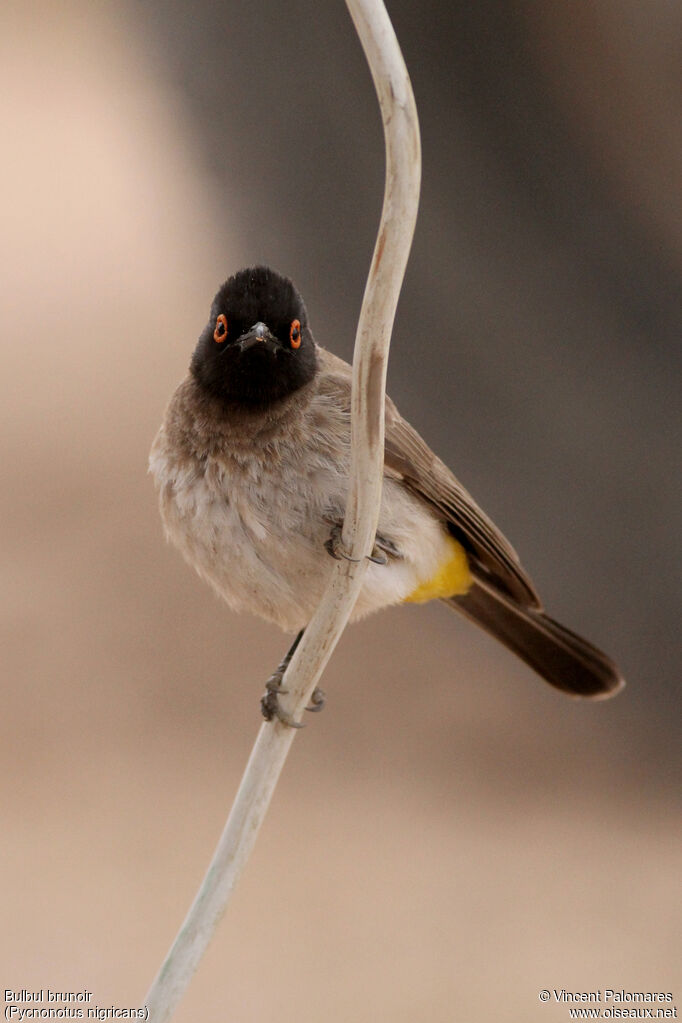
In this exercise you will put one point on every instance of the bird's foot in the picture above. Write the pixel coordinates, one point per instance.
(382, 550)
(270, 705)
(317, 700)
(333, 545)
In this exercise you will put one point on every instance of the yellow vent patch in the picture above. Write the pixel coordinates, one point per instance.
(452, 578)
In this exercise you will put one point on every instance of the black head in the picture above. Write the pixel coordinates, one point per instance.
(257, 346)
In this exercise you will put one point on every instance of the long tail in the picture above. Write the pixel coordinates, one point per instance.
(559, 656)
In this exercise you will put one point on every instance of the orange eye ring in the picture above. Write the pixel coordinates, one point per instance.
(220, 332)
(295, 334)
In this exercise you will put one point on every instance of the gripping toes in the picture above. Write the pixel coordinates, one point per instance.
(381, 552)
(333, 545)
(270, 705)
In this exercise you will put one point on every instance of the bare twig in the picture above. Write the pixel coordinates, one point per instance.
(403, 168)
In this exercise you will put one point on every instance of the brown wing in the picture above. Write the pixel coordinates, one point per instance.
(408, 458)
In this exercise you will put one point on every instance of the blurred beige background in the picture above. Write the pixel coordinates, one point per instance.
(450, 836)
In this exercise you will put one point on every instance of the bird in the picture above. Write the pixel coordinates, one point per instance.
(251, 464)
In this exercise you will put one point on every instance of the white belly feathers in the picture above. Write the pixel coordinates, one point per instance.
(255, 526)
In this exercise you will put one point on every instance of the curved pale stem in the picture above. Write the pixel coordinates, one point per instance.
(403, 169)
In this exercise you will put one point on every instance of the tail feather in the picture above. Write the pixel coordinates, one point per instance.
(559, 656)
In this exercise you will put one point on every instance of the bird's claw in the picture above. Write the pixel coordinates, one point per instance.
(317, 701)
(333, 545)
(380, 552)
(270, 705)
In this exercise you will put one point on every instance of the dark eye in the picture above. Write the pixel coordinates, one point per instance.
(220, 332)
(295, 334)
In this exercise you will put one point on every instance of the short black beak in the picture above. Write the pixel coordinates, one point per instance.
(259, 334)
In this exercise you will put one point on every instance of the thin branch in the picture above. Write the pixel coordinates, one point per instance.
(403, 168)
